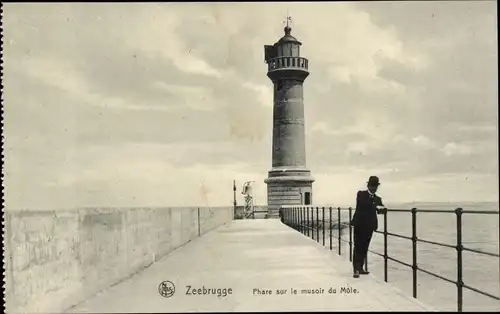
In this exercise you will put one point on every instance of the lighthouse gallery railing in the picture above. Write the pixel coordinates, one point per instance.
(286, 63)
(303, 219)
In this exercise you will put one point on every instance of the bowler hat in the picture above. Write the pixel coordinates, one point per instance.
(373, 180)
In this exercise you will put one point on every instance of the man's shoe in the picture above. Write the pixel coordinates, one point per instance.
(364, 272)
(356, 274)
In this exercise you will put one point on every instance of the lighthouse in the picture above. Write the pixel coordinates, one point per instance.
(289, 182)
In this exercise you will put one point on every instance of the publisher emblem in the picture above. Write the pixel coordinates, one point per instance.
(166, 289)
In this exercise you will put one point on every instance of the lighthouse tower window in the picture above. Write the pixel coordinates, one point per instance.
(286, 50)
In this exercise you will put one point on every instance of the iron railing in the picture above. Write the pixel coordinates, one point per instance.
(287, 62)
(306, 219)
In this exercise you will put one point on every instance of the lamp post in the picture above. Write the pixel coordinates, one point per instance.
(234, 197)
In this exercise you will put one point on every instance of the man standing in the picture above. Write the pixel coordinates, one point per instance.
(365, 222)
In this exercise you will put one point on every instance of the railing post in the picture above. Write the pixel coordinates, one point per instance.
(300, 220)
(296, 210)
(323, 219)
(317, 224)
(414, 249)
(460, 282)
(312, 223)
(350, 234)
(295, 218)
(303, 221)
(340, 234)
(330, 227)
(385, 246)
(307, 224)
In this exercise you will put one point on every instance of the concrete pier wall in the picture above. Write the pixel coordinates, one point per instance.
(55, 259)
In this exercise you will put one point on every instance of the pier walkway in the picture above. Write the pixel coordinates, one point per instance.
(251, 257)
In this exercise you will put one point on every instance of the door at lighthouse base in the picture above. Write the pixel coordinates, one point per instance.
(307, 198)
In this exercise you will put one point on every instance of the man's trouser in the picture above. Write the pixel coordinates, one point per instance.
(362, 238)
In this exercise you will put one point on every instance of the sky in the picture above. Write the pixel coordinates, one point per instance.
(165, 104)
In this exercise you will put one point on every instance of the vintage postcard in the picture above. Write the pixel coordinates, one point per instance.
(169, 157)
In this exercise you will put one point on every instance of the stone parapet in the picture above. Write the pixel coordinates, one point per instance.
(55, 259)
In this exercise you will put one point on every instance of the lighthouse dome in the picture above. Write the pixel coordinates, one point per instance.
(288, 38)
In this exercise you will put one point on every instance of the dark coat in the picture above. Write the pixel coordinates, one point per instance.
(366, 212)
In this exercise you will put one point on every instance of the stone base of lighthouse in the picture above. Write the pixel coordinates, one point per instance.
(288, 186)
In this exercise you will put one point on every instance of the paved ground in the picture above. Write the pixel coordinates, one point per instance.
(250, 257)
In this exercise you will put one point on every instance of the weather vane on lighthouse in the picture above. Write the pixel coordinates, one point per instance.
(288, 19)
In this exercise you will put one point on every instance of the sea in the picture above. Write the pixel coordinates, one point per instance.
(479, 232)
